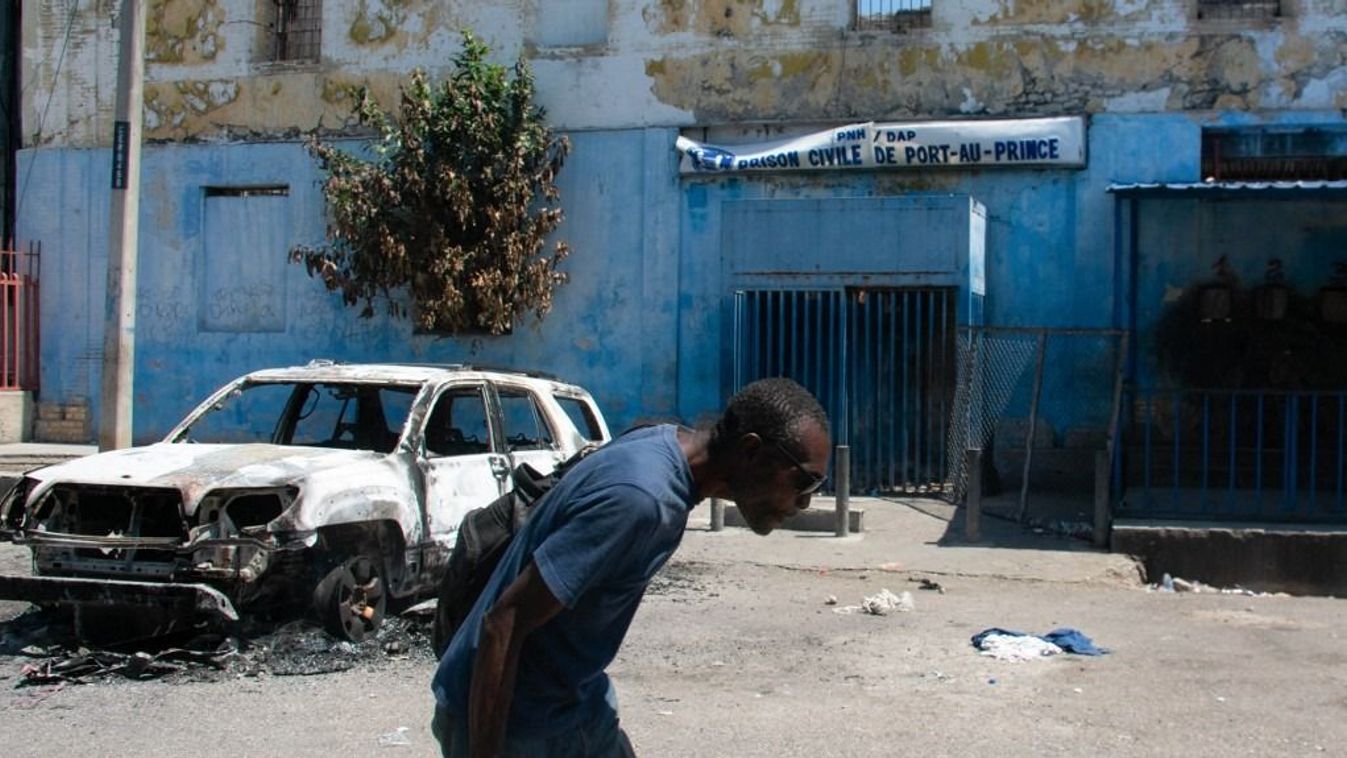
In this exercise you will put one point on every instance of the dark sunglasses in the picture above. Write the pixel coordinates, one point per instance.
(808, 482)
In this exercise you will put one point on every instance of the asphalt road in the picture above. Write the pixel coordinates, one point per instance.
(731, 655)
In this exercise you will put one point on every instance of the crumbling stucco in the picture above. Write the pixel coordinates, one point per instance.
(681, 62)
(722, 18)
(281, 104)
(183, 31)
(998, 76)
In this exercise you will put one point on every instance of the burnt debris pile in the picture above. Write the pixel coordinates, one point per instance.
(51, 653)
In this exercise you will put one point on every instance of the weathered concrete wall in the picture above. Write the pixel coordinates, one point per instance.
(686, 62)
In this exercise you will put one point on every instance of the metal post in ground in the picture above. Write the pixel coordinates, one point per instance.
(842, 481)
(717, 514)
(119, 331)
(972, 527)
(1102, 482)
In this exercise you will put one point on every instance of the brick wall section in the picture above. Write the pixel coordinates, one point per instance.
(62, 422)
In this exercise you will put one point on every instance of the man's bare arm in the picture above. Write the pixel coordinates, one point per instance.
(524, 606)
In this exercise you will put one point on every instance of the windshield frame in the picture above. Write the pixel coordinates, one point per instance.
(178, 435)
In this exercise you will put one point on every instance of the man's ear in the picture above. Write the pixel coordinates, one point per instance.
(749, 444)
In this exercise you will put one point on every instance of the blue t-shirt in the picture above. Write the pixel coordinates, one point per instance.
(597, 537)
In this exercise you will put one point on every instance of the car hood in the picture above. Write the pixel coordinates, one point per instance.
(195, 470)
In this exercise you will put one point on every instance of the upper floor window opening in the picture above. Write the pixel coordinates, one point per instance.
(1238, 9)
(297, 30)
(892, 15)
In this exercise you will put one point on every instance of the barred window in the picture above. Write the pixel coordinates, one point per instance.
(1274, 153)
(1238, 9)
(892, 15)
(297, 30)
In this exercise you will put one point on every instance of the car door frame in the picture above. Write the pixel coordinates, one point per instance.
(497, 455)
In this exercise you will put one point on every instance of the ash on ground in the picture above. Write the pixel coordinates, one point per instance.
(679, 579)
(46, 644)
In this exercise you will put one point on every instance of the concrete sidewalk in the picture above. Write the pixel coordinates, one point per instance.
(19, 457)
(913, 536)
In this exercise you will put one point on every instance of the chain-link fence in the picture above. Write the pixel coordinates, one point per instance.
(1039, 403)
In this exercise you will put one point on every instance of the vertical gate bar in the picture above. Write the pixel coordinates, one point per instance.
(897, 375)
(754, 335)
(885, 346)
(1258, 457)
(779, 368)
(1234, 434)
(923, 391)
(893, 364)
(797, 336)
(768, 332)
(1313, 479)
(844, 370)
(1341, 399)
(928, 396)
(908, 435)
(1286, 445)
(1146, 444)
(867, 395)
(1178, 439)
(1293, 463)
(948, 356)
(738, 341)
(1206, 450)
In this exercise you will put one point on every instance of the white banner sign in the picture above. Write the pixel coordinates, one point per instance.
(1022, 142)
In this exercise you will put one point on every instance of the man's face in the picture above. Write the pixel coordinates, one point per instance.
(768, 486)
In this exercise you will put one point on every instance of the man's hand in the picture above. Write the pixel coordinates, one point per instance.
(524, 606)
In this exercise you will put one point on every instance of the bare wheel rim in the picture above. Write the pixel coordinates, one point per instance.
(358, 598)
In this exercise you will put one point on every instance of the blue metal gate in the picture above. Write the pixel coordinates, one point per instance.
(880, 360)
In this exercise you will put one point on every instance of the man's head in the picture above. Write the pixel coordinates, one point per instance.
(772, 443)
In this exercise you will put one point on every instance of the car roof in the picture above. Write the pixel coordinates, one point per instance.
(397, 373)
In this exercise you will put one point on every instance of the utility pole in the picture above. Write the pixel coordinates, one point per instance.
(119, 331)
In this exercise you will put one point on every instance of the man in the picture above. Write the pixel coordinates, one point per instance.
(524, 675)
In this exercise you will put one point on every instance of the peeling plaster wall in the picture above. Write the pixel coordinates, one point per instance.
(689, 62)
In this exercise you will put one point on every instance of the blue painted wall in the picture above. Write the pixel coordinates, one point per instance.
(645, 319)
(611, 328)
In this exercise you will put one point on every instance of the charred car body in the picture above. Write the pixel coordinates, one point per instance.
(337, 485)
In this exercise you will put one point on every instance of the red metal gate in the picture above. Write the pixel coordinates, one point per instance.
(19, 317)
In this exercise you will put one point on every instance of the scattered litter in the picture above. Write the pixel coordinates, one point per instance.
(1220, 699)
(1009, 647)
(832, 600)
(1081, 530)
(1078, 690)
(423, 608)
(991, 681)
(396, 738)
(881, 604)
(929, 584)
(1169, 583)
(1064, 640)
(892, 566)
(664, 713)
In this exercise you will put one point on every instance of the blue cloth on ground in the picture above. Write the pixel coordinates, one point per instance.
(1069, 640)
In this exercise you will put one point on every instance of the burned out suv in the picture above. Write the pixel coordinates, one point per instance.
(339, 486)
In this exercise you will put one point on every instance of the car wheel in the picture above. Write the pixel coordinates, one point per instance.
(350, 600)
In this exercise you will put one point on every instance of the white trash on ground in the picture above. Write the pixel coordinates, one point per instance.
(1010, 647)
(881, 604)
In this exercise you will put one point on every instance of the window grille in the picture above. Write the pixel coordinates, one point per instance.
(1282, 154)
(892, 15)
(297, 30)
(1238, 9)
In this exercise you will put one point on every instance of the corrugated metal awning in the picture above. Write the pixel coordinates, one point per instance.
(1287, 190)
